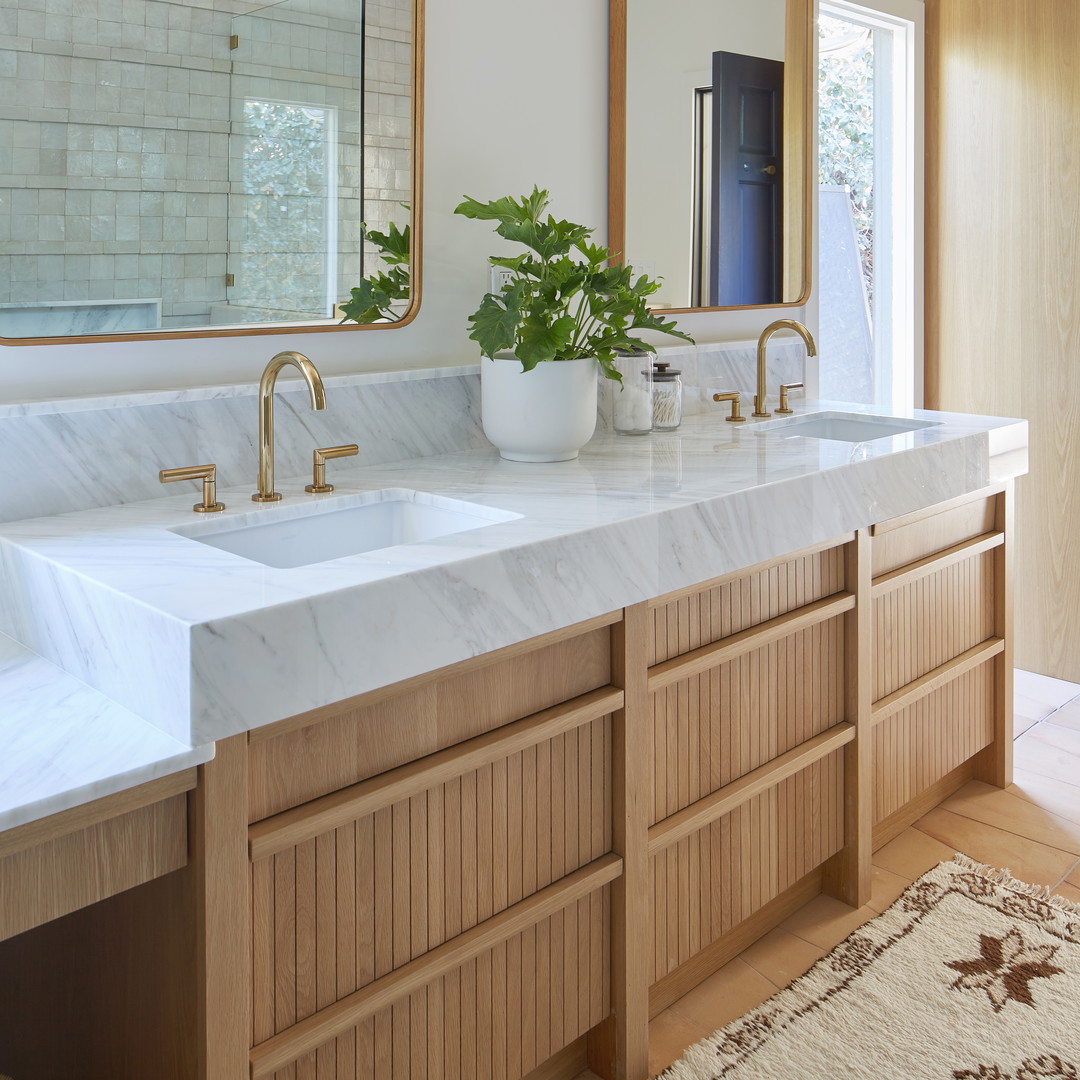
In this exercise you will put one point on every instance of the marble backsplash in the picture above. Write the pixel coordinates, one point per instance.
(76, 458)
(81, 453)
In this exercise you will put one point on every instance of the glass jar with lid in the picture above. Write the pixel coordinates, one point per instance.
(667, 397)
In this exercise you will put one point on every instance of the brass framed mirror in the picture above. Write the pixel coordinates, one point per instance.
(710, 152)
(181, 168)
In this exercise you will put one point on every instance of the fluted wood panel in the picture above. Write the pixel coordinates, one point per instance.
(336, 912)
(705, 885)
(920, 626)
(358, 741)
(924, 742)
(713, 728)
(718, 610)
(496, 1017)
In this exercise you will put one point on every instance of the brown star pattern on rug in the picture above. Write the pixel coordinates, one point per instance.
(1005, 969)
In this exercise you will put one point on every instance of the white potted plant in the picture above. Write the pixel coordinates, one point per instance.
(564, 314)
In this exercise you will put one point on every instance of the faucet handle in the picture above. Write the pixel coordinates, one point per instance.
(208, 475)
(320, 457)
(784, 388)
(735, 398)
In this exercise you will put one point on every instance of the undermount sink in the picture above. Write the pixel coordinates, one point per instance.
(843, 426)
(286, 537)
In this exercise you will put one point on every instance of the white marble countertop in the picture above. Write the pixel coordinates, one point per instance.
(205, 644)
(65, 744)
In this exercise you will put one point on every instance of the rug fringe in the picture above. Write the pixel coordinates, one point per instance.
(1005, 878)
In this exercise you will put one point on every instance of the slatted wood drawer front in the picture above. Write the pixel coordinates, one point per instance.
(918, 745)
(499, 1015)
(692, 618)
(707, 883)
(921, 625)
(904, 540)
(713, 728)
(348, 905)
(301, 759)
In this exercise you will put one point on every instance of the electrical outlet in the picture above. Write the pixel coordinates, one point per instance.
(499, 278)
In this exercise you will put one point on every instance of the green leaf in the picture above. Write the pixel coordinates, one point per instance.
(367, 305)
(393, 245)
(540, 340)
(495, 324)
(506, 209)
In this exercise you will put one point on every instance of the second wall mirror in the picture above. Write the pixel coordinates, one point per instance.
(710, 156)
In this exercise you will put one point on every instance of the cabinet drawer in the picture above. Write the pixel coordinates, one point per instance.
(312, 755)
(70, 867)
(686, 620)
(434, 849)
(919, 745)
(710, 729)
(707, 883)
(921, 625)
(500, 1014)
(907, 539)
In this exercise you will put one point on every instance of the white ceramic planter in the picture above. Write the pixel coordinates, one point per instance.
(547, 414)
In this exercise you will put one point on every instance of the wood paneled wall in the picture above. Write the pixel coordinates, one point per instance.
(1002, 317)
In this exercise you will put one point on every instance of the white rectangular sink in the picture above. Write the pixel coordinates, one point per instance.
(843, 426)
(318, 532)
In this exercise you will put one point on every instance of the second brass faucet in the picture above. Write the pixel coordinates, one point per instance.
(266, 492)
(763, 341)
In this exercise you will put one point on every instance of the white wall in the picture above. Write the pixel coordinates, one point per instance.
(512, 99)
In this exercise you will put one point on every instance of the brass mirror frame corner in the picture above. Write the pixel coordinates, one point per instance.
(800, 53)
(416, 222)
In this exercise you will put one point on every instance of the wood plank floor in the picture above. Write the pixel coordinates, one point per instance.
(1032, 827)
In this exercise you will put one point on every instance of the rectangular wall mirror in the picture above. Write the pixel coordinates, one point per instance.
(197, 167)
(710, 155)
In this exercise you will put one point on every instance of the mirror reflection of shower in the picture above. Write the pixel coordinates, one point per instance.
(201, 167)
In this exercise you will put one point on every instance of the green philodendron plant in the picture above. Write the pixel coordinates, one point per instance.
(556, 306)
(373, 298)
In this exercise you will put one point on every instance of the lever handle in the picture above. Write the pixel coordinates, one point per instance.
(320, 457)
(208, 475)
(784, 388)
(735, 398)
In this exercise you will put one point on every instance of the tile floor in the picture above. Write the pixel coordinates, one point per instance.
(1032, 827)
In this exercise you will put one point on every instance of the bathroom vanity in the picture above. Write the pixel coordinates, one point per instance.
(480, 805)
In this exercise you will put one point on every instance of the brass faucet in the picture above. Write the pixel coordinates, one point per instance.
(266, 492)
(763, 341)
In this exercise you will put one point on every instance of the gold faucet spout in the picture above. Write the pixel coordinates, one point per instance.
(763, 342)
(267, 383)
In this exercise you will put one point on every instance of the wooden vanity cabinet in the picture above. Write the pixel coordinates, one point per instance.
(501, 869)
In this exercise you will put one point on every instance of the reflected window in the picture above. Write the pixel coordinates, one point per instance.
(283, 250)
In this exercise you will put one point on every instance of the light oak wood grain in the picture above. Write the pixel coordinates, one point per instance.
(81, 867)
(1002, 327)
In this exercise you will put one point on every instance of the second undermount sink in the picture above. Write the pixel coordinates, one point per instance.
(843, 426)
(303, 535)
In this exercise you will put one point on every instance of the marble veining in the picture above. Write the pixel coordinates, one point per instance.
(131, 608)
(64, 461)
(66, 744)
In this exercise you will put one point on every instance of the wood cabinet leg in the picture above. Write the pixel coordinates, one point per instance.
(619, 1049)
(223, 913)
(995, 764)
(847, 875)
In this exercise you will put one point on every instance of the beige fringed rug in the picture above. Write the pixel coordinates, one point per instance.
(970, 975)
